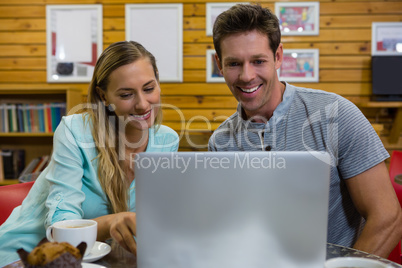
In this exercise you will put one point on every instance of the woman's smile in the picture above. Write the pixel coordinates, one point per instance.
(143, 116)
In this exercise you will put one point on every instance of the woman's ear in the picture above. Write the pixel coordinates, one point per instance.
(102, 95)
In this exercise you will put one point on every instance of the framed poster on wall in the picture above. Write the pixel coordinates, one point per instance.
(386, 38)
(73, 42)
(298, 18)
(213, 10)
(159, 28)
(214, 75)
(299, 65)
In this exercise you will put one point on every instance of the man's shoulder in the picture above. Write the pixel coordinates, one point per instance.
(318, 97)
(311, 93)
(230, 123)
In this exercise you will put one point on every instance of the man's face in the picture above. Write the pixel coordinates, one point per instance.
(249, 68)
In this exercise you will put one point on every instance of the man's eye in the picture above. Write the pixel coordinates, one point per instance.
(259, 62)
(232, 64)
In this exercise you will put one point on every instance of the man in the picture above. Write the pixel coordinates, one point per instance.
(273, 115)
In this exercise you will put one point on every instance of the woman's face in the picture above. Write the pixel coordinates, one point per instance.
(134, 93)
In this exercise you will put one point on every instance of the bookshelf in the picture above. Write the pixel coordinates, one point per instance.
(396, 129)
(38, 143)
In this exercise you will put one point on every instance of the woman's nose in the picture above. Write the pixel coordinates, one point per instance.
(141, 102)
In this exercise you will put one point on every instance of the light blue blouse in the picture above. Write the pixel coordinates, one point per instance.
(68, 188)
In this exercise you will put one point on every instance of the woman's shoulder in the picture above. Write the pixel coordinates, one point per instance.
(164, 137)
(165, 130)
(78, 124)
(165, 133)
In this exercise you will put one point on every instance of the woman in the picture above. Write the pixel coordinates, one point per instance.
(91, 171)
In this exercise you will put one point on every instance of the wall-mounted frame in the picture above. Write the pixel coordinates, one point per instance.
(298, 18)
(214, 75)
(159, 28)
(299, 65)
(73, 42)
(386, 38)
(213, 10)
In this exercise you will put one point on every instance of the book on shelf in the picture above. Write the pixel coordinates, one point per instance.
(20, 118)
(1, 118)
(41, 164)
(13, 163)
(47, 117)
(1, 168)
(28, 168)
(25, 118)
(13, 117)
(36, 165)
(31, 118)
(5, 117)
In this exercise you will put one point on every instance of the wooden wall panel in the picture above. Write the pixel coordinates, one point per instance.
(344, 43)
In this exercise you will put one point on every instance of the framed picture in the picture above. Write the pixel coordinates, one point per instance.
(299, 65)
(386, 38)
(73, 42)
(162, 35)
(298, 18)
(213, 10)
(214, 75)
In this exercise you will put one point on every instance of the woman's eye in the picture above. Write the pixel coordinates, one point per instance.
(125, 96)
(149, 89)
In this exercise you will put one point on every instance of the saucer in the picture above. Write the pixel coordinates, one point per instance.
(98, 251)
(91, 265)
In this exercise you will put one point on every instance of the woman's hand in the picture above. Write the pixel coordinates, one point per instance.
(121, 227)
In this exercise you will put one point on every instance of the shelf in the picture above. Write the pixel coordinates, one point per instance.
(26, 134)
(35, 144)
(397, 126)
(8, 182)
(73, 96)
(380, 104)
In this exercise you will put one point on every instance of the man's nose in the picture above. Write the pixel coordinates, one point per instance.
(247, 73)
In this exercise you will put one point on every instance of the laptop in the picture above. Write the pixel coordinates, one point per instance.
(232, 209)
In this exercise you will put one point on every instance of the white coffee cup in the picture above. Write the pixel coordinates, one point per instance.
(354, 262)
(74, 232)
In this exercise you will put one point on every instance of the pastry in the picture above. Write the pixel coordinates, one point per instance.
(53, 254)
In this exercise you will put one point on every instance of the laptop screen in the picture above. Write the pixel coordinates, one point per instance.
(232, 209)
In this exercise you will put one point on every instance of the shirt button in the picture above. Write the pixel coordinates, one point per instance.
(58, 198)
(268, 148)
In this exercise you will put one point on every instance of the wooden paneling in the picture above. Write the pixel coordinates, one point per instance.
(344, 42)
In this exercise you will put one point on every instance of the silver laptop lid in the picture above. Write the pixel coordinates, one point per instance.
(232, 209)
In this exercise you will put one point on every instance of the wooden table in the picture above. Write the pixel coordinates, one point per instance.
(119, 258)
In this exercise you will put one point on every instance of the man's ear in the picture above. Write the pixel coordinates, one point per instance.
(278, 56)
(102, 95)
(218, 62)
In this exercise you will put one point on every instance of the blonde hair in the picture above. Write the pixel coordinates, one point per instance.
(107, 137)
